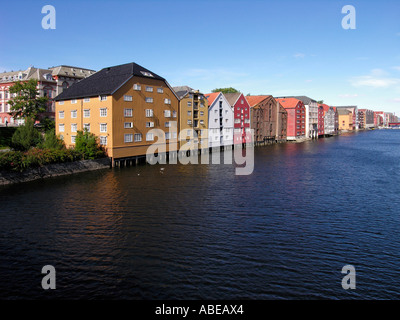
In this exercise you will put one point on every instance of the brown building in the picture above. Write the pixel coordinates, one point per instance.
(193, 116)
(121, 105)
(268, 119)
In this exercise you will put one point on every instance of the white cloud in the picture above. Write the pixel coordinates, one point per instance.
(396, 68)
(378, 78)
(299, 55)
(308, 80)
(395, 100)
(347, 95)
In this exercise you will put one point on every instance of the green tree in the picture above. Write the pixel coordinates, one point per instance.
(26, 136)
(225, 90)
(51, 141)
(26, 103)
(320, 101)
(86, 143)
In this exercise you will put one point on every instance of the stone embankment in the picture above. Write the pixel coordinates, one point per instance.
(53, 170)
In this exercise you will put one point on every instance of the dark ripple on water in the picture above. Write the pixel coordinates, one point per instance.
(200, 232)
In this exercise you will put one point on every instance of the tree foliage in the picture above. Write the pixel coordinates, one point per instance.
(26, 136)
(225, 90)
(86, 143)
(26, 103)
(51, 141)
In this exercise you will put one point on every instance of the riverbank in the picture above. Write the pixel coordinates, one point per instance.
(53, 170)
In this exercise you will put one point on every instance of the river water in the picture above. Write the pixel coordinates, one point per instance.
(202, 232)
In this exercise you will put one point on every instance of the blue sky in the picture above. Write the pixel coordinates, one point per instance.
(259, 47)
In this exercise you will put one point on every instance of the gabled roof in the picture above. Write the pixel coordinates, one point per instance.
(182, 91)
(211, 97)
(288, 103)
(304, 99)
(232, 97)
(342, 111)
(324, 106)
(254, 100)
(106, 81)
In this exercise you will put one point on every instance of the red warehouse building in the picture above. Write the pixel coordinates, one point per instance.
(241, 113)
(321, 126)
(296, 120)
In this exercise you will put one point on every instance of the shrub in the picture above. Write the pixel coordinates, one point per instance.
(33, 158)
(86, 143)
(51, 141)
(26, 137)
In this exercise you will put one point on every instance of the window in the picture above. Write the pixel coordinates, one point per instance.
(103, 98)
(149, 89)
(174, 135)
(128, 112)
(237, 120)
(127, 98)
(103, 127)
(103, 140)
(86, 100)
(128, 125)
(246, 120)
(174, 114)
(60, 114)
(86, 113)
(128, 137)
(86, 127)
(149, 136)
(189, 103)
(167, 136)
(149, 113)
(138, 137)
(61, 127)
(74, 113)
(73, 139)
(167, 101)
(137, 87)
(241, 101)
(160, 90)
(168, 124)
(189, 113)
(149, 100)
(202, 122)
(202, 113)
(60, 103)
(147, 74)
(189, 122)
(189, 133)
(73, 101)
(149, 124)
(103, 112)
(167, 113)
(74, 127)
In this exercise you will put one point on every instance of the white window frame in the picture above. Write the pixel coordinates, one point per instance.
(137, 87)
(102, 125)
(127, 113)
(84, 113)
(86, 99)
(149, 124)
(137, 137)
(73, 139)
(149, 136)
(128, 98)
(149, 100)
(74, 127)
(149, 89)
(128, 137)
(128, 125)
(149, 113)
(102, 110)
(74, 112)
(61, 113)
(160, 90)
(103, 98)
(102, 142)
(86, 125)
(61, 127)
(74, 101)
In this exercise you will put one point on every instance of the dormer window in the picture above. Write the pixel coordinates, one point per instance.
(147, 74)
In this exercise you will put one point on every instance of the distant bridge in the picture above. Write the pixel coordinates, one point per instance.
(394, 124)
